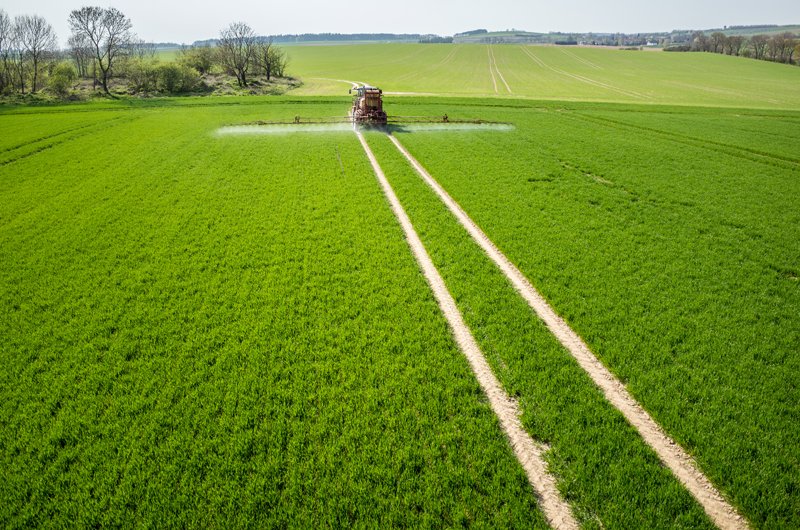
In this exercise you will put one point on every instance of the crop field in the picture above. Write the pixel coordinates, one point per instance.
(225, 327)
(550, 73)
(686, 248)
(196, 346)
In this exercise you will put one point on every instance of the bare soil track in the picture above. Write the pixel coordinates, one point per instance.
(669, 452)
(493, 64)
(528, 452)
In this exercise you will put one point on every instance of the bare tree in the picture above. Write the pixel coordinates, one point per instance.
(277, 62)
(717, 42)
(737, 44)
(17, 61)
(80, 49)
(236, 50)
(269, 59)
(700, 42)
(140, 49)
(37, 39)
(774, 47)
(734, 44)
(6, 39)
(758, 43)
(261, 57)
(784, 44)
(109, 33)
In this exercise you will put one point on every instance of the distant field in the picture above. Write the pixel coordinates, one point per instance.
(223, 330)
(549, 72)
(168, 55)
(762, 30)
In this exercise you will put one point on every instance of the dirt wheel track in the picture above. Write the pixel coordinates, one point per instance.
(529, 453)
(669, 452)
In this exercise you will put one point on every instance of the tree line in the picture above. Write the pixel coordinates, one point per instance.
(781, 47)
(103, 46)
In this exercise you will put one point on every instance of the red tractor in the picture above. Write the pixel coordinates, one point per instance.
(368, 106)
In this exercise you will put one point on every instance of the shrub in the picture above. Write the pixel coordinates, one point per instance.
(142, 75)
(62, 77)
(200, 58)
(174, 78)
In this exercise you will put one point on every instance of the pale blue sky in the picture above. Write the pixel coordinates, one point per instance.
(186, 21)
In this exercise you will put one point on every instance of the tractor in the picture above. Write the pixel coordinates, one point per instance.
(368, 106)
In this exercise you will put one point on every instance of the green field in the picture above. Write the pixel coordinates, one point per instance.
(749, 31)
(675, 257)
(230, 330)
(550, 73)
